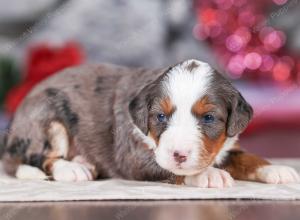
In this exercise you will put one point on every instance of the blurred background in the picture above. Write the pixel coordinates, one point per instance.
(255, 43)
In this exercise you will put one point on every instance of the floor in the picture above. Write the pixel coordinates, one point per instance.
(166, 210)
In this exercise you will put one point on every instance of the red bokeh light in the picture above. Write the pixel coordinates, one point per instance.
(281, 71)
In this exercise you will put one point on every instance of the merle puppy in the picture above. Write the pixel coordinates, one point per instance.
(179, 124)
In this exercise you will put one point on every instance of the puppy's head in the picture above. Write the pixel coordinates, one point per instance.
(192, 113)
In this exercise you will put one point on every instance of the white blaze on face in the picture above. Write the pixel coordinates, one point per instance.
(183, 134)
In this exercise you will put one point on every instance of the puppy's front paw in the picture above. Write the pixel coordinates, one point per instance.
(210, 178)
(277, 174)
(70, 171)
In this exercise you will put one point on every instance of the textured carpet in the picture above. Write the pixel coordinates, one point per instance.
(16, 190)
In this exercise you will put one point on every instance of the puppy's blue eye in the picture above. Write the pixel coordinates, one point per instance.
(208, 118)
(161, 117)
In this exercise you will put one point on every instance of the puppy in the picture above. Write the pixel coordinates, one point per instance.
(179, 125)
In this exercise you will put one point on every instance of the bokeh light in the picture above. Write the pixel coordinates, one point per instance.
(280, 2)
(281, 71)
(240, 34)
(267, 63)
(234, 43)
(236, 66)
(252, 60)
(274, 40)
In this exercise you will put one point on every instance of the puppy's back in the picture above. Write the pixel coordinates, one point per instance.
(81, 98)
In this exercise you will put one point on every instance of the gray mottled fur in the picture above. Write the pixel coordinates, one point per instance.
(99, 96)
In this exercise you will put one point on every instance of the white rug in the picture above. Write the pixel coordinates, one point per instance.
(16, 190)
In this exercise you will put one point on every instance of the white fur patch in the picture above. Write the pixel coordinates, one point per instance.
(183, 134)
(210, 178)
(148, 141)
(185, 87)
(228, 145)
(276, 174)
(67, 171)
(27, 172)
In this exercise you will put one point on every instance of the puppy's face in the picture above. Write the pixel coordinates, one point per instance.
(192, 116)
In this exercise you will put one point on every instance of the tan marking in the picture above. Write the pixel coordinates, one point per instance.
(167, 106)
(202, 106)
(243, 165)
(236, 146)
(59, 140)
(48, 165)
(213, 146)
(168, 109)
(179, 180)
(152, 134)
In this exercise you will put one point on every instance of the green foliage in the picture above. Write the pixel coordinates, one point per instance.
(9, 76)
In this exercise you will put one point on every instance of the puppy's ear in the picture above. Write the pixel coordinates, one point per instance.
(240, 114)
(140, 106)
(141, 103)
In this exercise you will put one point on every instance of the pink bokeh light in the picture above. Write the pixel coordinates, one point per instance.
(267, 63)
(252, 60)
(274, 40)
(236, 66)
(240, 35)
(280, 2)
(234, 43)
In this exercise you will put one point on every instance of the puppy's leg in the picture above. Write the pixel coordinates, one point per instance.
(59, 145)
(17, 163)
(245, 166)
(56, 163)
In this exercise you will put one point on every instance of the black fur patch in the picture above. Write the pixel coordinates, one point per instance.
(47, 145)
(76, 86)
(60, 102)
(3, 140)
(51, 92)
(36, 160)
(98, 84)
(18, 147)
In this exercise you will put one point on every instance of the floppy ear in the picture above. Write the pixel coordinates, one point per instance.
(240, 114)
(139, 108)
(140, 105)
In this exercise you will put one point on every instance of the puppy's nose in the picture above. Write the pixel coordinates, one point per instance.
(179, 158)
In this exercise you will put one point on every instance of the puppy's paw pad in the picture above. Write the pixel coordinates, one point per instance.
(210, 178)
(275, 174)
(70, 172)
